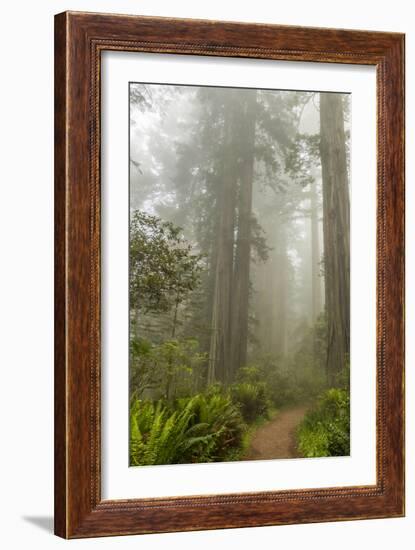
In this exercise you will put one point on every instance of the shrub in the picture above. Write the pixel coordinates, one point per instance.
(251, 398)
(325, 431)
(287, 381)
(166, 370)
(298, 376)
(215, 413)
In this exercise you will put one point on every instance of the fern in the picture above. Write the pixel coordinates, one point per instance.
(198, 429)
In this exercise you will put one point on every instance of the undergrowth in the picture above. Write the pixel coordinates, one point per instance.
(325, 430)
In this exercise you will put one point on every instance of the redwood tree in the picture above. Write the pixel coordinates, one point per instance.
(336, 227)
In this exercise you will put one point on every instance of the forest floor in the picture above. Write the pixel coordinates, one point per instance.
(276, 438)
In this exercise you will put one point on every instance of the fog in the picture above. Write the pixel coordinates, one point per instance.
(239, 239)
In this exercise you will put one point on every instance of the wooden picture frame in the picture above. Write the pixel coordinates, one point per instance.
(79, 40)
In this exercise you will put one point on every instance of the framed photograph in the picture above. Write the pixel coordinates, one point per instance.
(229, 275)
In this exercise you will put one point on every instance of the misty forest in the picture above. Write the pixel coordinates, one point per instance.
(239, 274)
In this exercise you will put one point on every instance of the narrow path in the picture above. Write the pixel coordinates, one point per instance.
(276, 438)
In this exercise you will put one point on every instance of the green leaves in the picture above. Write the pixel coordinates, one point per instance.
(325, 431)
(170, 367)
(303, 157)
(163, 268)
(252, 398)
(156, 437)
(198, 429)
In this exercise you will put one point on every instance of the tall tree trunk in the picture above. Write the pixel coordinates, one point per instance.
(220, 348)
(271, 293)
(270, 290)
(240, 297)
(315, 255)
(282, 287)
(336, 226)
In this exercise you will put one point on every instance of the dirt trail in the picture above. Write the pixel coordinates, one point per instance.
(276, 439)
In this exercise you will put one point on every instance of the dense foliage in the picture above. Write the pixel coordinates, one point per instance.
(203, 428)
(183, 426)
(252, 399)
(167, 370)
(325, 430)
(297, 377)
(163, 268)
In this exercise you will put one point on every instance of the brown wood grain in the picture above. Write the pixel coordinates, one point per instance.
(79, 39)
